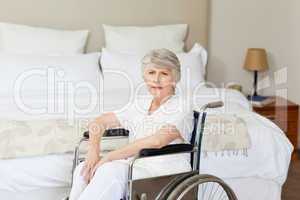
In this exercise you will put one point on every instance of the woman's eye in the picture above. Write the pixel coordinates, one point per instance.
(164, 73)
(151, 72)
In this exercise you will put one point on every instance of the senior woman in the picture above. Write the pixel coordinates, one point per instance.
(165, 118)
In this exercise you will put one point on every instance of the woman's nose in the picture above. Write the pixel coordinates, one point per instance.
(156, 78)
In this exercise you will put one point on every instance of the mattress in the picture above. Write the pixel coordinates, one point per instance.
(245, 189)
(55, 193)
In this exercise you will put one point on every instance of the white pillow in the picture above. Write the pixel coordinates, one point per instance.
(193, 67)
(124, 71)
(41, 75)
(21, 39)
(133, 40)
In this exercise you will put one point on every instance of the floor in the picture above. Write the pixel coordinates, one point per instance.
(291, 188)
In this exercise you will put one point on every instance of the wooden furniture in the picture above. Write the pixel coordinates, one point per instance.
(285, 114)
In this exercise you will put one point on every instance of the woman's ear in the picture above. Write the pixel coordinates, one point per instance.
(144, 77)
(174, 82)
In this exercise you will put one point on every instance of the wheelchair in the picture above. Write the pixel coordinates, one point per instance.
(188, 185)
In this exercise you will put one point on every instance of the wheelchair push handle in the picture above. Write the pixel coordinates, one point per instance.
(215, 104)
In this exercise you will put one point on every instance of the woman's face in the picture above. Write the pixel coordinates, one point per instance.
(159, 80)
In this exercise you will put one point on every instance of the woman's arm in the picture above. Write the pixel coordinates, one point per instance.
(162, 138)
(98, 127)
(96, 131)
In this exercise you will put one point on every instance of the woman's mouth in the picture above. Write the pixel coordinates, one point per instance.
(156, 87)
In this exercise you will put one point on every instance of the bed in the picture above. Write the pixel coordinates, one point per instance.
(266, 172)
(260, 175)
(264, 190)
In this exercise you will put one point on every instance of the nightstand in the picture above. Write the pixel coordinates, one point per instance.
(285, 114)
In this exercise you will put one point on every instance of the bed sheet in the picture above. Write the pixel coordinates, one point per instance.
(32, 173)
(254, 188)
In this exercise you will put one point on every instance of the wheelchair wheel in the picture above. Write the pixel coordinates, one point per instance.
(209, 188)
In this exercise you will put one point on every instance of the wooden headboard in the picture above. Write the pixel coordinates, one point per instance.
(91, 14)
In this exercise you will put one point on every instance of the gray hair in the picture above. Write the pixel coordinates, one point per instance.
(163, 58)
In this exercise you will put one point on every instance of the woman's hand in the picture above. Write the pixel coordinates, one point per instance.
(96, 130)
(92, 159)
(100, 162)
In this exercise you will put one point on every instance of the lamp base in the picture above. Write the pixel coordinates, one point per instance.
(257, 98)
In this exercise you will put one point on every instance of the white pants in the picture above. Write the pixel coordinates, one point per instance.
(108, 183)
(110, 179)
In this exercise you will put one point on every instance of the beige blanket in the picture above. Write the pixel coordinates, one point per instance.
(38, 137)
(41, 137)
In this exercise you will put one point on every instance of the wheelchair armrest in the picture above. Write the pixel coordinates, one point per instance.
(169, 149)
(110, 133)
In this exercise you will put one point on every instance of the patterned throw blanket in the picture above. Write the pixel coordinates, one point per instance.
(225, 133)
(42, 137)
(38, 137)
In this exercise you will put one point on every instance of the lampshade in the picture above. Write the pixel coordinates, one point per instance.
(256, 60)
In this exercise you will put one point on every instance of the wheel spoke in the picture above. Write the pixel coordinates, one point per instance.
(211, 189)
(221, 193)
(216, 191)
(205, 185)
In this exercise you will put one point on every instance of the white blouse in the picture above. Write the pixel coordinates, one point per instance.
(176, 111)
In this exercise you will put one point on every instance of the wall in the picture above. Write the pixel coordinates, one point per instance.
(90, 14)
(271, 24)
(294, 52)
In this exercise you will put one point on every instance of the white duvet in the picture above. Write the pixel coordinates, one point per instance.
(268, 157)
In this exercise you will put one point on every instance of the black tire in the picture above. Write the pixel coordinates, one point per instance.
(172, 185)
(200, 180)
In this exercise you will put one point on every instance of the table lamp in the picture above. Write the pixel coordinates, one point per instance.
(256, 60)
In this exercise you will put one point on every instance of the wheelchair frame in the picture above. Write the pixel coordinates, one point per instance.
(194, 149)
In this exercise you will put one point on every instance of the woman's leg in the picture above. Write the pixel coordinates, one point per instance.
(108, 183)
(78, 183)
